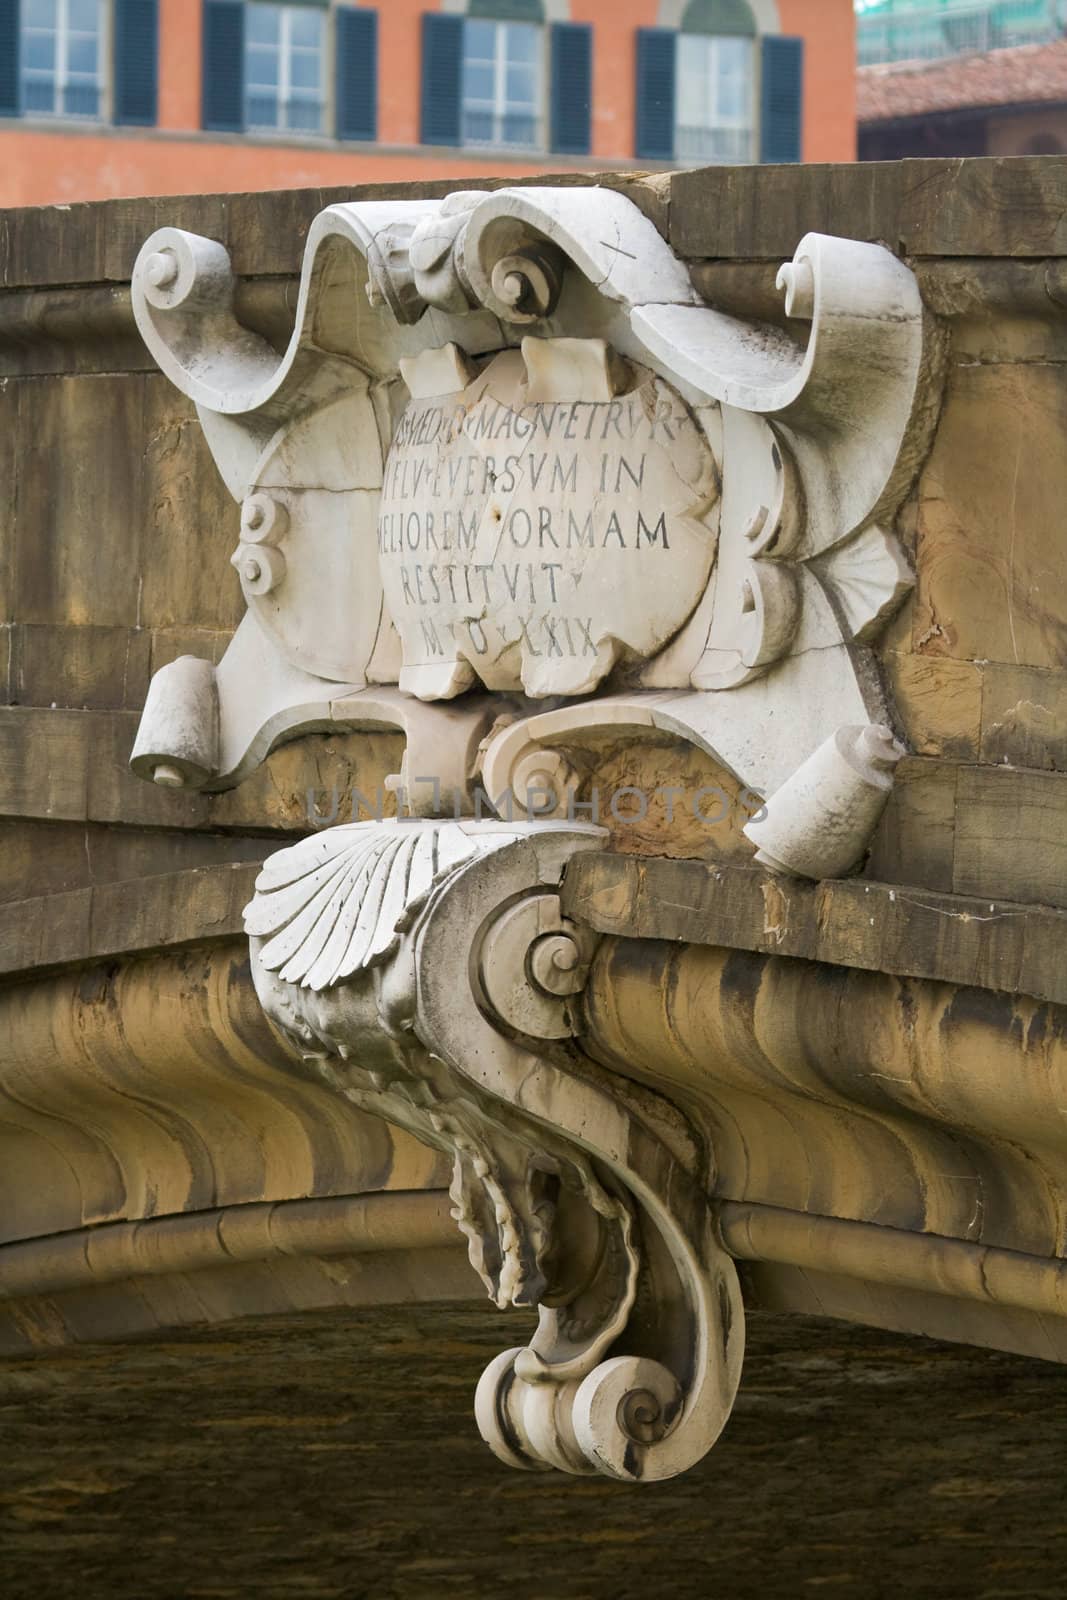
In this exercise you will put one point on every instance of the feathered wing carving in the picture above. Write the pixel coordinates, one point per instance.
(338, 903)
(428, 974)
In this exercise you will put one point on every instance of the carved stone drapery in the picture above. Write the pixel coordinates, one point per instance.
(509, 456)
(427, 974)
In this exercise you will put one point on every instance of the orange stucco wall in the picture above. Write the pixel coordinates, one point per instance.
(179, 63)
(46, 168)
(399, 67)
(42, 165)
(828, 28)
(614, 67)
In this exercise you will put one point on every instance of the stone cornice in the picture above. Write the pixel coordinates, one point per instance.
(982, 208)
(141, 1087)
(910, 931)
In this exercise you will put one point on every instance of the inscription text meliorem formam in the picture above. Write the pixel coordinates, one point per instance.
(513, 532)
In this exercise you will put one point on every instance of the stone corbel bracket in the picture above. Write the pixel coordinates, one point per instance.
(427, 974)
(791, 568)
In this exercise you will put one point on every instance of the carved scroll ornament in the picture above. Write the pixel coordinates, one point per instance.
(427, 974)
(513, 487)
(510, 468)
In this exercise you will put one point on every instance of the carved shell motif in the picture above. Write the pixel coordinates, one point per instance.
(338, 902)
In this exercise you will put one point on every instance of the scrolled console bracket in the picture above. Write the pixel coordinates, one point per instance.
(425, 972)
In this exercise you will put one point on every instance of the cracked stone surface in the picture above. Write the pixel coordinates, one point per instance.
(336, 1456)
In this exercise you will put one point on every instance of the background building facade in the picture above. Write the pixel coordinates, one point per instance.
(102, 98)
(955, 78)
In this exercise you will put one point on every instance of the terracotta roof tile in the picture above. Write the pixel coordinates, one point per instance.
(1026, 75)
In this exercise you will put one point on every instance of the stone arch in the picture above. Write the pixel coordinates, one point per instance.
(511, 10)
(764, 14)
(724, 18)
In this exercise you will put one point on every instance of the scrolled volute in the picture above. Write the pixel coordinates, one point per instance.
(427, 974)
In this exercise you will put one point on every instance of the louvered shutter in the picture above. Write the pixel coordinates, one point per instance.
(9, 58)
(442, 78)
(655, 94)
(571, 86)
(356, 48)
(223, 91)
(136, 70)
(781, 98)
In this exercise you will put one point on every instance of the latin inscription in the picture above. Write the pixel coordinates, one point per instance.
(530, 544)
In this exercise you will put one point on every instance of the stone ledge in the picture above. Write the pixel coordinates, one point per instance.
(979, 207)
(201, 905)
(128, 1278)
(134, 1089)
(849, 922)
(954, 826)
(998, 944)
(97, 241)
(337, 1225)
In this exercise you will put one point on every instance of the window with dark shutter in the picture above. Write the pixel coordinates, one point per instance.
(284, 66)
(715, 82)
(655, 94)
(136, 73)
(223, 72)
(9, 58)
(442, 78)
(356, 47)
(503, 84)
(571, 88)
(60, 54)
(781, 98)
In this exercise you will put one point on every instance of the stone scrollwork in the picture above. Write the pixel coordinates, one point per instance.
(510, 452)
(514, 489)
(426, 973)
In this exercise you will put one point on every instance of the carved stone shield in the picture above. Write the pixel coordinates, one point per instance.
(541, 519)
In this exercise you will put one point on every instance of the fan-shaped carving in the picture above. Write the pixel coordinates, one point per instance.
(870, 579)
(338, 902)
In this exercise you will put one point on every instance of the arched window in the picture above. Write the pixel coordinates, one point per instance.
(715, 107)
(504, 73)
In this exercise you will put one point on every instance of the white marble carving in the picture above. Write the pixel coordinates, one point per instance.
(542, 522)
(817, 823)
(427, 974)
(514, 490)
(510, 458)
